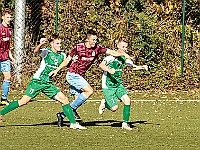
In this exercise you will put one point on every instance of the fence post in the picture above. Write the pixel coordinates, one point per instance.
(19, 35)
(56, 30)
(183, 29)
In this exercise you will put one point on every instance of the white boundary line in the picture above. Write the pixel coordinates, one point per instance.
(132, 100)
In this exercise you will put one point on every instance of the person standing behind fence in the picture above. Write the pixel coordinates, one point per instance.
(5, 53)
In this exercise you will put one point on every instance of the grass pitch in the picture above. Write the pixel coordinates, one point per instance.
(156, 126)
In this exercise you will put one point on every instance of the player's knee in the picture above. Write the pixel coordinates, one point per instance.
(90, 92)
(7, 77)
(61, 98)
(64, 102)
(127, 102)
(22, 102)
(114, 108)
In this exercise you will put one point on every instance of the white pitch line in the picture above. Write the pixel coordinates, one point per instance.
(133, 100)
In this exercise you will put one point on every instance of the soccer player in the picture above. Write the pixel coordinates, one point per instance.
(42, 82)
(5, 53)
(112, 86)
(86, 53)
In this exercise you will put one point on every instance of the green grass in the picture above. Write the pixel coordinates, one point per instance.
(135, 95)
(160, 125)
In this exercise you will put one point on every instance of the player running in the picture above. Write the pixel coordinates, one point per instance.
(86, 54)
(42, 82)
(112, 86)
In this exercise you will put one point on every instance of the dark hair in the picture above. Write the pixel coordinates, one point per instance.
(91, 32)
(122, 39)
(7, 11)
(54, 37)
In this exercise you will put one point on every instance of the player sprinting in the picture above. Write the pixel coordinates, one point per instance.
(42, 82)
(112, 86)
(86, 54)
(5, 53)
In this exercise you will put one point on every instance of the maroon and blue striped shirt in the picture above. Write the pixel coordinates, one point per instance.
(85, 57)
(5, 35)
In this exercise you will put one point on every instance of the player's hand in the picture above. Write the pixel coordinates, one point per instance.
(12, 60)
(111, 71)
(43, 40)
(145, 67)
(75, 58)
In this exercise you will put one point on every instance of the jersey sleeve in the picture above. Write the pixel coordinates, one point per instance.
(102, 50)
(44, 52)
(73, 52)
(129, 63)
(108, 60)
(64, 55)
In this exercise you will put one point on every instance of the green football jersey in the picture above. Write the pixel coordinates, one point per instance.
(113, 80)
(50, 61)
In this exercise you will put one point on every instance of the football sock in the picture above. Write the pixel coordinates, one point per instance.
(126, 113)
(13, 105)
(63, 115)
(68, 112)
(5, 89)
(107, 106)
(79, 101)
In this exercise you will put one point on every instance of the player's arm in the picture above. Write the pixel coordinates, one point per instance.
(63, 64)
(144, 67)
(135, 67)
(103, 66)
(116, 54)
(37, 48)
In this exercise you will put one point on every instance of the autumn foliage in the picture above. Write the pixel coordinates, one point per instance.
(153, 28)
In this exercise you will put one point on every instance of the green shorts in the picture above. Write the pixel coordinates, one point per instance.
(110, 94)
(35, 87)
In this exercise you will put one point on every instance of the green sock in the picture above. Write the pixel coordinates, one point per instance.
(126, 113)
(68, 112)
(13, 105)
(107, 106)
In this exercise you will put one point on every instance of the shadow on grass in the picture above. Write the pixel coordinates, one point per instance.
(112, 123)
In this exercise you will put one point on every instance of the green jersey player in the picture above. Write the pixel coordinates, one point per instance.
(112, 86)
(42, 82)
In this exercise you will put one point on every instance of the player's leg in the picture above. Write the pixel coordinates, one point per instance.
(80, 87)
(68, 111)
(53, 92)
(61, 115)
(82, 97)
(15, 104)
(123, 95)
(5, 68)
(110, 101)
(32, 90)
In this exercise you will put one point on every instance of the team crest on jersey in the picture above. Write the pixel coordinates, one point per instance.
(93, 53)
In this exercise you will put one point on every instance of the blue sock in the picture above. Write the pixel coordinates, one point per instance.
(5, 89)
(75, 104)
(79, 101)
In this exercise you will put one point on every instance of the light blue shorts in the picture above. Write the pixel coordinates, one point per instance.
(5, 66)
(76, 83)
